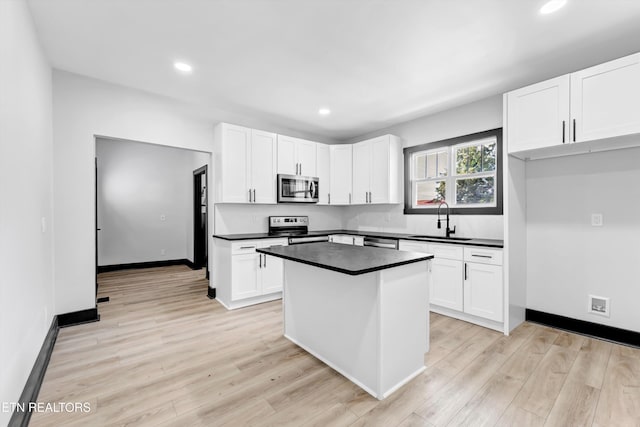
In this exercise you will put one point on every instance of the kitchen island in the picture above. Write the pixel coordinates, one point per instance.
(364, 311)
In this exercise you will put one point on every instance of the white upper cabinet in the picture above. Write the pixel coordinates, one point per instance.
(377, 170)
(361, 172)
(245, 165)
(323, 172)
(263, 166)
(539, 115)
(340, 164)
(595, 104)
(605, 99)
(296, 156)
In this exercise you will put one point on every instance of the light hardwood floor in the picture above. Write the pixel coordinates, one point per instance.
(163, 354)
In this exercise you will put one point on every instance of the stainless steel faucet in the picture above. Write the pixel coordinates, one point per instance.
(448, 231)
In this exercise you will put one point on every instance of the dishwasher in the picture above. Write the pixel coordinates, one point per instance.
(381, 242)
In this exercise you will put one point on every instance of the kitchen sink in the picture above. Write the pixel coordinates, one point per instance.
(460, 239)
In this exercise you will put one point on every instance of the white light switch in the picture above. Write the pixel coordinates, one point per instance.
(596, 220)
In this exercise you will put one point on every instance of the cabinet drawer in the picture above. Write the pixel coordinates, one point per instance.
(483, 255)
(273, 242)
(244, 247)
(446, 251)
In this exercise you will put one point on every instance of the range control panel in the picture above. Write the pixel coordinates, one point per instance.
(288, 221)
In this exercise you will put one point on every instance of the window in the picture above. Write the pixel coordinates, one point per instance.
(465, 172)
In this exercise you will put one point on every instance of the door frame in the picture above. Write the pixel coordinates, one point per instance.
(197, 215)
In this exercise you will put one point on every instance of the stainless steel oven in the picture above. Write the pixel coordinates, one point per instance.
(297, 189)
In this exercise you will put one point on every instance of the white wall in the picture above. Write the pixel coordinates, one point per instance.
(470, 118)
(83, 108)
(138, 185)
(26, 251)
(233, 218)
(567, 258)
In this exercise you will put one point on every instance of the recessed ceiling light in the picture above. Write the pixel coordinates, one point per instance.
(181, 66)
(324, 111)
(552, 6)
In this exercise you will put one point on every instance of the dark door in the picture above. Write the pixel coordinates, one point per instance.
(200, 198)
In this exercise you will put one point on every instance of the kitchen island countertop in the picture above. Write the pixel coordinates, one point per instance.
(347, 259)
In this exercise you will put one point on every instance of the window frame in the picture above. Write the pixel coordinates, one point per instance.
(408, 153)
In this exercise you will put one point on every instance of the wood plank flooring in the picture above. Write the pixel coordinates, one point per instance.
(163, 354)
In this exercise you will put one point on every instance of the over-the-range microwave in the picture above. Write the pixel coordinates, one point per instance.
(297, 189)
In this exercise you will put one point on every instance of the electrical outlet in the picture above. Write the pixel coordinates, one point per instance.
(596, 220)
(598, 305)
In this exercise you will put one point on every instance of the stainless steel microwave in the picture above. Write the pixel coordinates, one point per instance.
(297, 189)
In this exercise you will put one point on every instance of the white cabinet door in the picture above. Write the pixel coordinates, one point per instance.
(323, 172)
(446, 283)
(483, 293)
(296, 156)
(306, 158)
(538, 115)
(234, 174)
(605, 99)
(271, 274)
(340, 167)
(382, 177)
(361, 172)
(287, 160)
(263, 166)
(244, 273)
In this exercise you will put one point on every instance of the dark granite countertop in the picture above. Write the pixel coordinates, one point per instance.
(347, 259)
(471, 242)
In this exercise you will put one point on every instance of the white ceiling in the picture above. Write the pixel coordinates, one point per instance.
(374, 63)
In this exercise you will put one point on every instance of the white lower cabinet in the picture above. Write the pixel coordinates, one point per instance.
(483, 291)
(445, 283)
(244, 277)
(483, 285)
(466, 281)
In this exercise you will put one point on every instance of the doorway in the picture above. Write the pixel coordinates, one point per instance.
(200, 238)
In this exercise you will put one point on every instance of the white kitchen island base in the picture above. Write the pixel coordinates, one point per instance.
(372, 328)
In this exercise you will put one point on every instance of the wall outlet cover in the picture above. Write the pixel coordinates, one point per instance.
(598, 305)
(596, 220)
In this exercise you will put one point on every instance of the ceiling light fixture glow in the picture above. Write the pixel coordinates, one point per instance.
(552, 6)
(181, 66)
(324, 111)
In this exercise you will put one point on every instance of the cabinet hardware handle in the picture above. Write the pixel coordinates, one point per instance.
(254, 195)
(300, 168)
(369, 196)
(328, 198)
(247, 247)
(465, 271)
(349, 198)
(260, 260)
(366, 197)
(482, 256)
(574, 130)
(265, 261)
(353, 240)
(249, 195)
(563, 126)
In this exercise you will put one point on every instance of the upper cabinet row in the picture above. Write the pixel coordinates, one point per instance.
(593, 104)
(248, 160)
